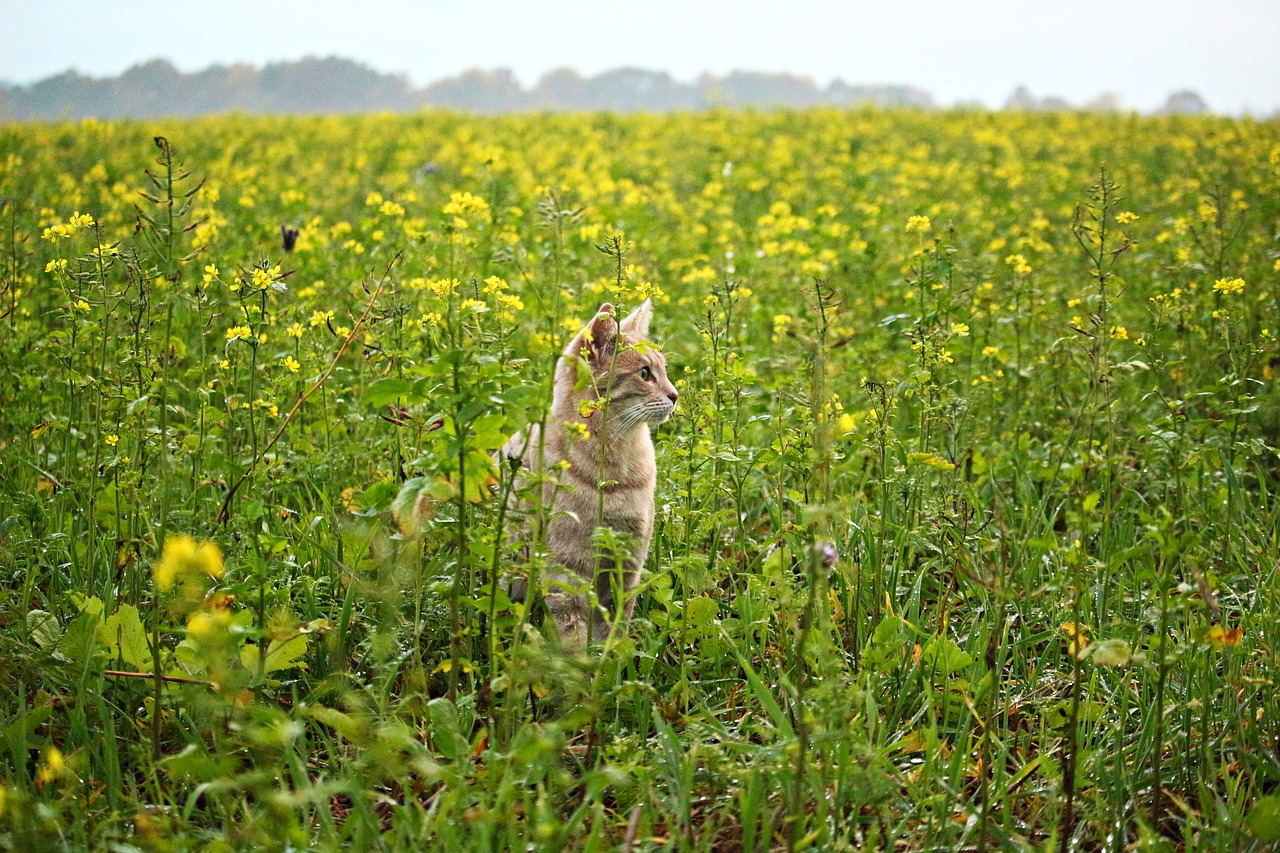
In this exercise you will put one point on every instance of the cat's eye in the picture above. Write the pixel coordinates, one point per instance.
(645, 373)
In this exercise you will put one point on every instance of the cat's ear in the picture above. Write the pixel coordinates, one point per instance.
(636, 326)
(602, 334)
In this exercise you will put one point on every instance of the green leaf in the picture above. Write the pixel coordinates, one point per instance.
(944, 657)
(109, 506)
(125, 638)
(1264, 819)
(191, 765)
(488, 432)
(348, 726)
(1110, 653)
(446, 734)
(387, 391)
(281, 654)
(44, 629)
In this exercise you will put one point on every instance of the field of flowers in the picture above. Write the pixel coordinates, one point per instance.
(967, 522)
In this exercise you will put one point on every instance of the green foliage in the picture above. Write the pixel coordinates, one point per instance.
(966, 519)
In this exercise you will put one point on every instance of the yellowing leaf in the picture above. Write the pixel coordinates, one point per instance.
(1110, 653)
(932, 460)
(1219, 637)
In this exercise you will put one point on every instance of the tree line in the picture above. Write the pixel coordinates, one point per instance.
(336, 85)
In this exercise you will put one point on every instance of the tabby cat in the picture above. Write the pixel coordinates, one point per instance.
(610, 385)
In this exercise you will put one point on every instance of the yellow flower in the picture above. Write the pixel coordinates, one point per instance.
(1119, 333)
(58, 266)
(464, 206)
(510, 302)
(919, 223)
(1228, 286)
(205, 626)
(443, 286)
(960, 330)
(320, 318)
(294, 331)
(1126, 216)
(291, 363)
(237, 333)
(112, 440)
(54, 233)
(183, 557)
(53, 766)
(1019, 264)
(1079, 635)
(81, 220)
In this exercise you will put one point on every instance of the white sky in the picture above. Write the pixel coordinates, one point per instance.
(1141, 50)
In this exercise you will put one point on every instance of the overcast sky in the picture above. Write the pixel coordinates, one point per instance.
(1141, 50)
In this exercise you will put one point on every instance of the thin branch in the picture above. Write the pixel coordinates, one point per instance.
(175, 679)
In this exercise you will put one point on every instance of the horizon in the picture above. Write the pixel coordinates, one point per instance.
(981, 53)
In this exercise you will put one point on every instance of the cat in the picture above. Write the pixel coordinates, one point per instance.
(610, 385)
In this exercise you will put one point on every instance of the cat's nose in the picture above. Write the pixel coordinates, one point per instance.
(673, 395)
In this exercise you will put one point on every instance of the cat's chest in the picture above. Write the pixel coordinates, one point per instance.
(631, 464)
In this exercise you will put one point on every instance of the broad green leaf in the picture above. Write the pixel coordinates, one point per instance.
(44, 629)
(1110, 653)
(125, 638)
(1264, 819)
(943, 657)
(445, 731)
(281, 654)
(387, 391)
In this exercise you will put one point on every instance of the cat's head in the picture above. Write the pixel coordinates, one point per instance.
(625, 365)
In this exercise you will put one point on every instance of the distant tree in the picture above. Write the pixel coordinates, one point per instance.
(634, 89)
(1107, 102)
(752, 88)
(68, 95)
(1185, 103)
(477, 90)
(843, 94)
(331, 85)
(150, 89)
(560, 88)
(1021, 99)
